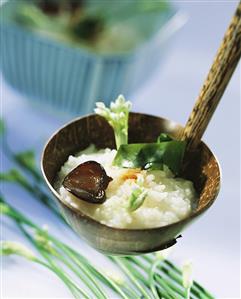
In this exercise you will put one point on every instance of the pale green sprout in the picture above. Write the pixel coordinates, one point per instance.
(42, 239)
(138, 195)
(114, 276)
(10, 247)
(137, 198)
(117, 116)
(187, 279)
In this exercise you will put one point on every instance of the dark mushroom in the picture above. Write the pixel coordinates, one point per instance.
(88, 182)
(74, 5)
(88, 28)
(49, 7)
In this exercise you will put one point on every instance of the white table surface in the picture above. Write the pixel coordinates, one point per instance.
(213, 242)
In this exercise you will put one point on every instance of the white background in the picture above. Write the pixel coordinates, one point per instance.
(213, 242)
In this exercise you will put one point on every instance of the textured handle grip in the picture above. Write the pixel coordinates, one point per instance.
(213, 88)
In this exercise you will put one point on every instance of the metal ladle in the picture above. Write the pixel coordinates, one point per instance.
(200, 165)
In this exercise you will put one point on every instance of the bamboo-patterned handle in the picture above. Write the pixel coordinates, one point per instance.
(214, 86)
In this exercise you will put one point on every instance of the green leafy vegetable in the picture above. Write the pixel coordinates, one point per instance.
(137, 198)
(163, 137)
(117, 116)
(30, 16)
(88, 28)
(151, 155)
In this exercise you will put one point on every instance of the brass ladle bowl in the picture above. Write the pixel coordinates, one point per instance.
(200, 165)
(77, 135)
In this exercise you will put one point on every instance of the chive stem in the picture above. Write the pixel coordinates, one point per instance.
(124, 266)
(67, 280)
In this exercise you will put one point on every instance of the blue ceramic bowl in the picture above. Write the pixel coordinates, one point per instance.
(72, 79)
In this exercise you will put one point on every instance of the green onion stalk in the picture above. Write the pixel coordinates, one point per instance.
(53, 250)
(161, 278)
(169, 269)
(15, 248)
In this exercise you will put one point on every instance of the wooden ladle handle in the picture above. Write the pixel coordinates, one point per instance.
(214, 86)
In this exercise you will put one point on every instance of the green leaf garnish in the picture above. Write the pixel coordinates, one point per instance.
(117, 116)
(137, 198)
(163, 137)
(151, 155)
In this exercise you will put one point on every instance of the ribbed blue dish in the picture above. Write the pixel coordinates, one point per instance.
(71, 79)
